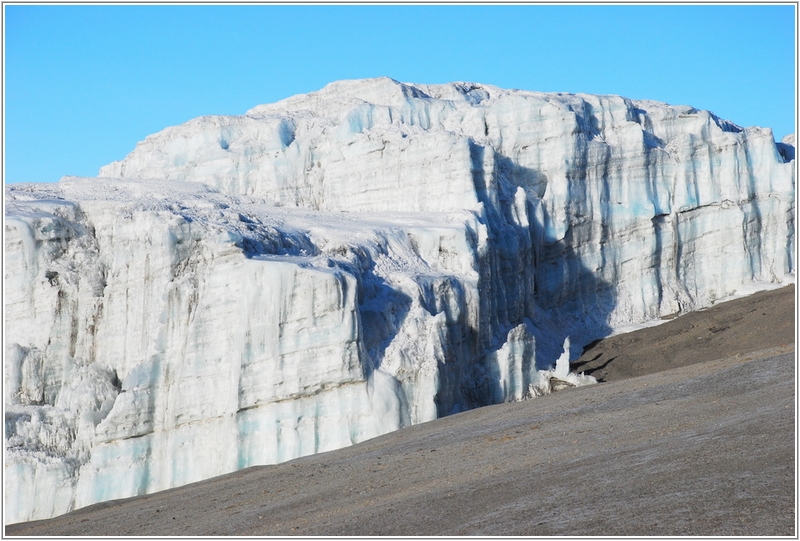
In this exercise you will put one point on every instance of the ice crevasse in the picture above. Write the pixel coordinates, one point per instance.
(244, 290)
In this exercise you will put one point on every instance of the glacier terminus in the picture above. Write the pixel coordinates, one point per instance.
(245, 290)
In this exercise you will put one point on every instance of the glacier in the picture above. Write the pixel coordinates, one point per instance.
(245, 290)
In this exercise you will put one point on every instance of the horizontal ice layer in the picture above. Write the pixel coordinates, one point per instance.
(247, 290)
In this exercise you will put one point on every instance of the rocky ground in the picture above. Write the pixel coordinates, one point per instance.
(692, 432)
(760, 321)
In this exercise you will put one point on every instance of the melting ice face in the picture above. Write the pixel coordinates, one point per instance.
(323, 270)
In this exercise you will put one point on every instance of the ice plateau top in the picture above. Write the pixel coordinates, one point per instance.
(244, 290)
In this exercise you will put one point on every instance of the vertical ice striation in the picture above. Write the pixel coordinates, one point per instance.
(246, 290)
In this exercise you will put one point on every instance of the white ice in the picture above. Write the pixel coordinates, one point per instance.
(244, 290)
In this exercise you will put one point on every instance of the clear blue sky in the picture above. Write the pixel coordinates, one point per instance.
(84, 84)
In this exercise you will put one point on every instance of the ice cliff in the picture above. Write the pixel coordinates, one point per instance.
(244, 290)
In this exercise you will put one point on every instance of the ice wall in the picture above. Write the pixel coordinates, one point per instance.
(337, 265)
(615, 185)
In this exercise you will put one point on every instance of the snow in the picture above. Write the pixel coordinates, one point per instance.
(249, 289)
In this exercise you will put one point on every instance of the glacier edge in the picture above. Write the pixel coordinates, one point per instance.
(345, 263)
